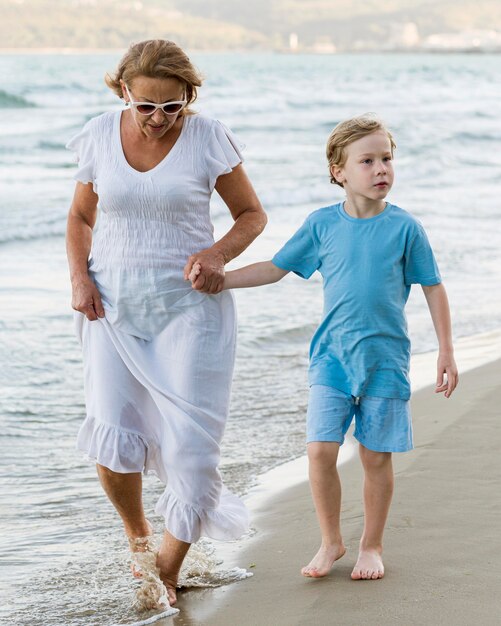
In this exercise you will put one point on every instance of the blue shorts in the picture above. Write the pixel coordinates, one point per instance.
(381, 424)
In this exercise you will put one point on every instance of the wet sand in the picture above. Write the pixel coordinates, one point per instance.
(442, 542)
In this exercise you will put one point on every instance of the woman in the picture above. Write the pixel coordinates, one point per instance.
(158, 355)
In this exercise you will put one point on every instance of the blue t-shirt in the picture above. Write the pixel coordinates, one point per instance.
(368, 266)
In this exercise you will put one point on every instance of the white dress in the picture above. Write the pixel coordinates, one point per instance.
(158, 367)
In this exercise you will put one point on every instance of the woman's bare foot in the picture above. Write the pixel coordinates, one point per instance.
(169, 561)
(369, 566)
(322, 562)
(140, 544)
(168, 579)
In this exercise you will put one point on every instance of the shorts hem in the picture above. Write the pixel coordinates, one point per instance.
(324, 439)
(384, 448)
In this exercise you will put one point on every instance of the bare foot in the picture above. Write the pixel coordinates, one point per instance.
(168, 579)
(322, 562)
(140, 544)
(369, 566)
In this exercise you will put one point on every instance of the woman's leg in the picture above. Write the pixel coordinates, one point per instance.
(125, 493)
(378, 492)
(326, 490)
(115, 388)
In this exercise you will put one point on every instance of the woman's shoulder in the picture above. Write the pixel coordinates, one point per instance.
(98, 126)
(206, 125)
(100, 123)
(95, 133)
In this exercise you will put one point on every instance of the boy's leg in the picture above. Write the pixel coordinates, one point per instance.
(326, 490)
(378, 491)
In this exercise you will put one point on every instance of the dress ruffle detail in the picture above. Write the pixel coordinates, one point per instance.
(117, 449)
(229, 521)
(83, 145)
(223, 152)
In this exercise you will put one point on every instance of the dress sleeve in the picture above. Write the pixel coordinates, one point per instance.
(83, 145)
(420, 265)
(223, 152)
(300, 254)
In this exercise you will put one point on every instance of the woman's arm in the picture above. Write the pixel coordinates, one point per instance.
(238, 194)
(438, 304)
(81, 220)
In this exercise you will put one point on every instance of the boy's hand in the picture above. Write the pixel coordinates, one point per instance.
(195, 271)
(447, 374)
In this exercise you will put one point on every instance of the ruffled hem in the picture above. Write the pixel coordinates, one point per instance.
(82, 145)
(125, 452)
(188, 523)
(223, 152)
(119, 450)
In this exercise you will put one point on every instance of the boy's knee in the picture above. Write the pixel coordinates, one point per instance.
(323, 452)
(373, 460)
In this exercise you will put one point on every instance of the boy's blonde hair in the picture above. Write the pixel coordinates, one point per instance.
(349, 131)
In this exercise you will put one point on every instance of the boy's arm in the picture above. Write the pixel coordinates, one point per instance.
(438, 304)
(254, 275)
(249, 276)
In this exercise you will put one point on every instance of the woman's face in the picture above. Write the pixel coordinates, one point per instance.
(156, 91)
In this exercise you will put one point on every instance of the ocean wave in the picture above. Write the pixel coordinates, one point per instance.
(33, 234)
(11, 101)
(471, 136)
(280, 342)
(50, 145)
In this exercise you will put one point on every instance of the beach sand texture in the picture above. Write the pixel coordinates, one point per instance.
(442, 543)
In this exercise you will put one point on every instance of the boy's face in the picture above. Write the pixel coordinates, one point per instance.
(368, 170)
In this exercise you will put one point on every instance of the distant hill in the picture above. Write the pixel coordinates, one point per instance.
(231, 24)
(113, 24)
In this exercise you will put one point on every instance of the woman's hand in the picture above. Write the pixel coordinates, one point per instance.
(206, 270)
(87, 299)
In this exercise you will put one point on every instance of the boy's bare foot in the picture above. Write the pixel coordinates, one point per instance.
(369, 566)
(322, 562)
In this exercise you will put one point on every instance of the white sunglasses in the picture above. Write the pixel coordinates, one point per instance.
(148, 108)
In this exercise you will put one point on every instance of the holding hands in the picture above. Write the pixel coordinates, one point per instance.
(205, 270)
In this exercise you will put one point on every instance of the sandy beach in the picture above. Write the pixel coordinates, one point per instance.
(441, 544)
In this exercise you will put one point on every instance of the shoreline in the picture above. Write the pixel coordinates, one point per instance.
(286, 533)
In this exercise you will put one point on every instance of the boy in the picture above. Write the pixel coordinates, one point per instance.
(369, 253)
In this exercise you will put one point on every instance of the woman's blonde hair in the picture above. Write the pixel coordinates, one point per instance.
(349, 131)
(156, 58)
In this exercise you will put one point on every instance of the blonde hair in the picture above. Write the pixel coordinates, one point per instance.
(349, 131)
(156, 58)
